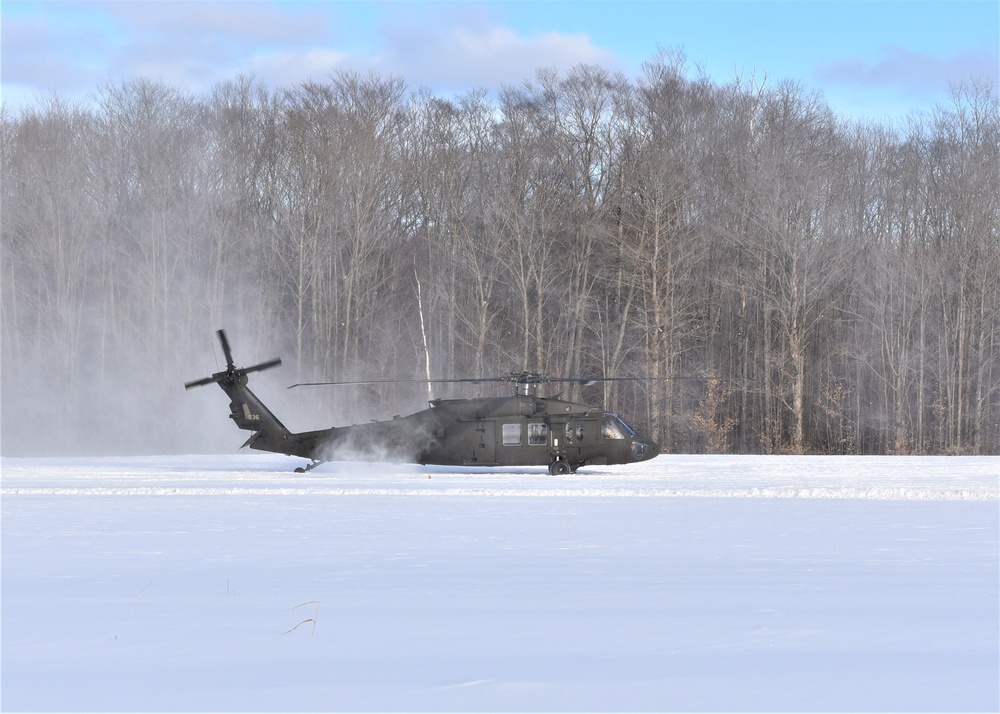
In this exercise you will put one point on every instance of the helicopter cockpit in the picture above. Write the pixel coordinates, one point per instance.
(612, 427)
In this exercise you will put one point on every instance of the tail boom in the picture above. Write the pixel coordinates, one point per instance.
(250, 414)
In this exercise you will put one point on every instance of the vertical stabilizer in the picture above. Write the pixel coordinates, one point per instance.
(248, 411)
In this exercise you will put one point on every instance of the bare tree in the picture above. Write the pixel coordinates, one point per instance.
(841, 276)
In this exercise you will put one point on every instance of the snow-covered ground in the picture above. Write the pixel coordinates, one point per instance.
(683, 583)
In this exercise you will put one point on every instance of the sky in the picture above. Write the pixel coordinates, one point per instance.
(868, 59)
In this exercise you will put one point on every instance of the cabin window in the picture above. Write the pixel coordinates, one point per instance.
(574, 432)
(511, 434)
(538, 434)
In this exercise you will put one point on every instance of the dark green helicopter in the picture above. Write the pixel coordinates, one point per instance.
(519, 430)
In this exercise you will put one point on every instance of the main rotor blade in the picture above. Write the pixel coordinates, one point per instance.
(397, 381)
(515, 378)
(693, 378)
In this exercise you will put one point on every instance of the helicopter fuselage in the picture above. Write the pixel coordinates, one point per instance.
(519, 430)
(505, 431)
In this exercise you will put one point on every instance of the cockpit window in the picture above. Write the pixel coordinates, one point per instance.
(611, 429)
(628, 430)
(614, 428)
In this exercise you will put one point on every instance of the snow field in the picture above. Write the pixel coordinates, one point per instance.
(685, 584)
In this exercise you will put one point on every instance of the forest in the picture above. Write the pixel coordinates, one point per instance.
(782, 280)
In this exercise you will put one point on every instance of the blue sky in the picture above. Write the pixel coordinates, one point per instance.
(868, 59)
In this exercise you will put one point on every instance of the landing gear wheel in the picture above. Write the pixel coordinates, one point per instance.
(559, 468)
(309, 467)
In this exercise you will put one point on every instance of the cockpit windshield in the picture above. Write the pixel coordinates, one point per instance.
(614, 428)
(628, 430)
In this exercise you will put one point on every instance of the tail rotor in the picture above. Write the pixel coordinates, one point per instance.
(232, 374)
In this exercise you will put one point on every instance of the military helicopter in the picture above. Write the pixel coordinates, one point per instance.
(519, 430)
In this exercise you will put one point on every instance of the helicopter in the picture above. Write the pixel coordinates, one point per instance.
(523, 429)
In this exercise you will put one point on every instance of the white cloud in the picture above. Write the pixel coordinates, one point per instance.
(464, 57)
(244, 20)
(41, 54)
(194, 45)
(912, 73)
(284, 68)
(454, 58)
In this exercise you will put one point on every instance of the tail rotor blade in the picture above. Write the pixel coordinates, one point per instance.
(232, 373)
(200, 382)
(262, 366)
(225, 348)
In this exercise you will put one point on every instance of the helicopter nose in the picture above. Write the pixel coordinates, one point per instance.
(644, 449)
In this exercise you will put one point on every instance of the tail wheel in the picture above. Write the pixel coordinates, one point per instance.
(559, 468)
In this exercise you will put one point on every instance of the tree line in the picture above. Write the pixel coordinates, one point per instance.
(795, 282)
